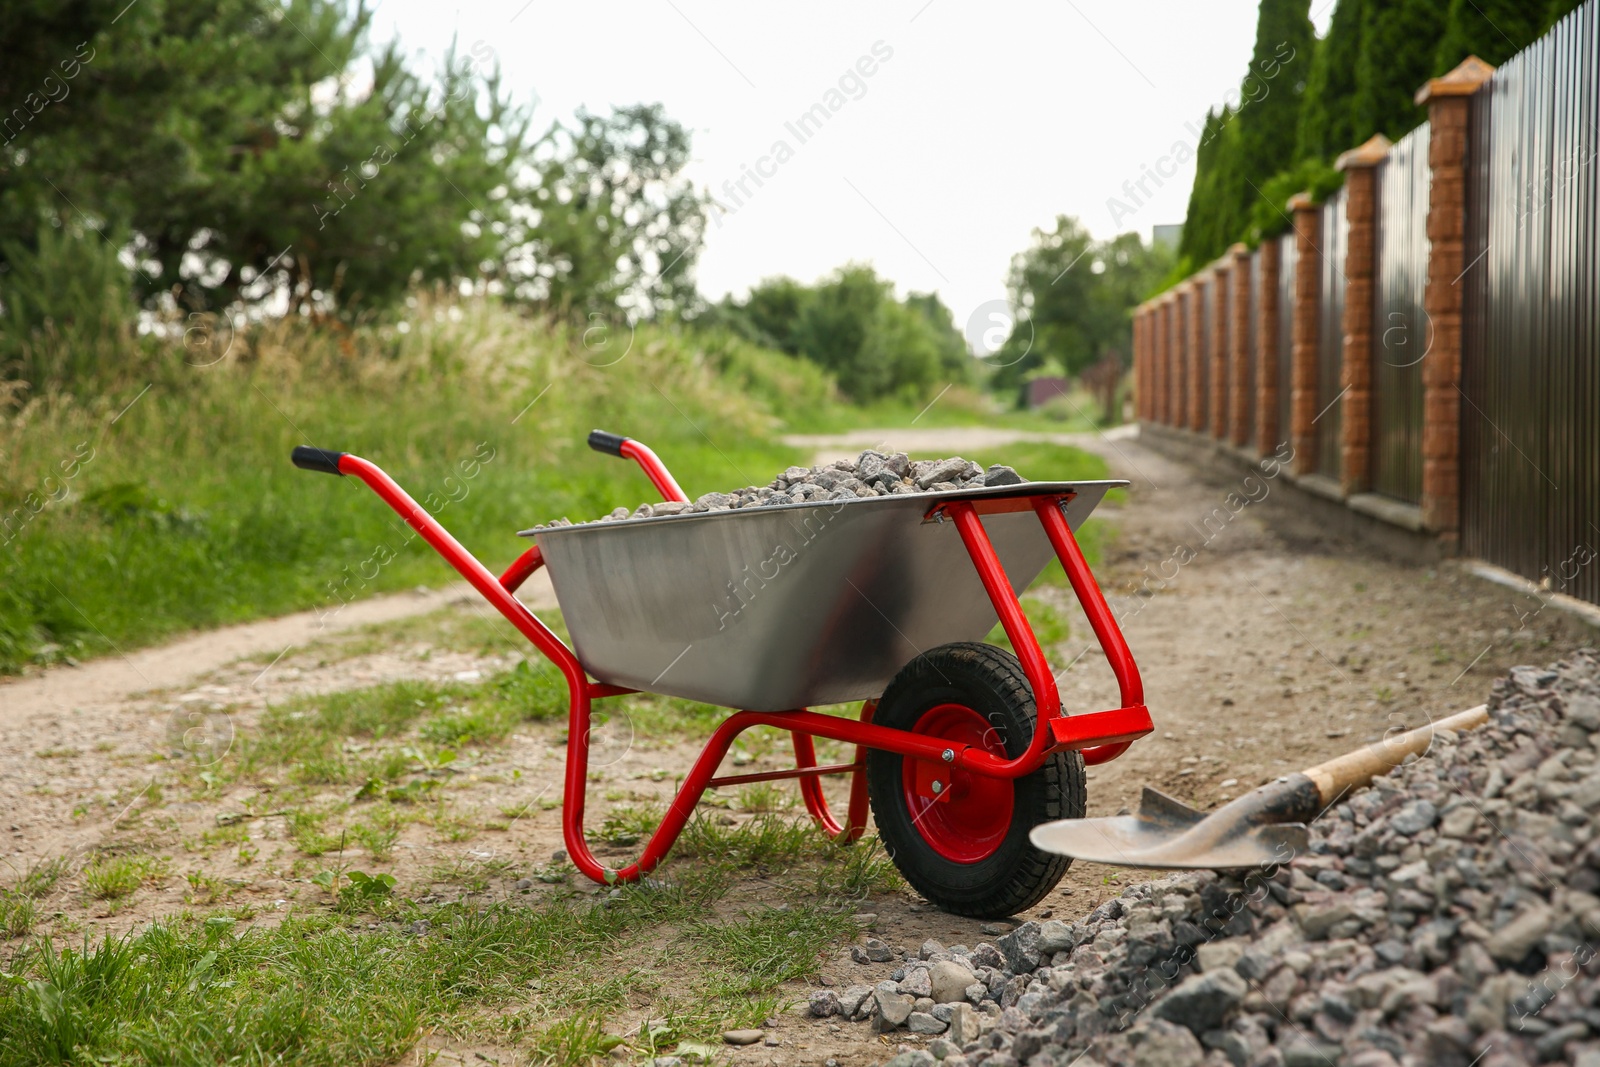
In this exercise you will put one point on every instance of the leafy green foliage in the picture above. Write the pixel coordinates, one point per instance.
(256, 154)
(1488, 29)
(1073, 294)
(1398, 41)
(1250, 137)
(1327, 119)
(851, 324)
(617, 226)
(1360, 79)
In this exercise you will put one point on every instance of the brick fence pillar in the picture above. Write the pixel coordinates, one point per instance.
(1218, 350)
(1239, 354)
(1137, 372)
(1172, 397)
(1146, 382)
(1360, 269)
(1447, 99)
(1307, 295)
(1268, 433)
(1195, 320)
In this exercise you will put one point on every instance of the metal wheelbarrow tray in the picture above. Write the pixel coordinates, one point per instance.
(771, 608)
(961, 748)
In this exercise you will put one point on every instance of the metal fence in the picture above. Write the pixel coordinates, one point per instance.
(1530, 419)
(1401, 329)
(1505, 454)
(1252, 347)
(1330, 335)
(1288, 259)
(1222, 358)
(1205, 295)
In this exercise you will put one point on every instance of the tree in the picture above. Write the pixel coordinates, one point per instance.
(1398, 41)
(1073, 296)
(616, 226)
(1273, 93)
(1327, 119)
(1492, 30)
(229, 139)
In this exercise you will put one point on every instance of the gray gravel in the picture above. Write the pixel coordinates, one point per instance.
(1446, 916)
(872, 473)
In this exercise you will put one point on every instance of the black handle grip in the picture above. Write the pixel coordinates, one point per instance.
(317, 459)
(609, 443)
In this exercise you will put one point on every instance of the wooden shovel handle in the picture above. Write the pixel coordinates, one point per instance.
(1355, 769)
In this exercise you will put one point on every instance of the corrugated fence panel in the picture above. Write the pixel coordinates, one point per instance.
(1330, 339)
(1222, 312)
(1530, 414)
(1400, 328)
(1252, 347)
(1287, 259)
(1206, 296)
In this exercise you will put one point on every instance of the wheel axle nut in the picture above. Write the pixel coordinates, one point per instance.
(938, 787)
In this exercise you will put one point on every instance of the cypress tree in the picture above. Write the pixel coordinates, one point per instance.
(1200, 220)
(1398, 41)
(1272, 93)
(1492, 30)
(1327, 125)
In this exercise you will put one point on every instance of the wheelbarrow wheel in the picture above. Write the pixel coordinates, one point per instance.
(968, 851)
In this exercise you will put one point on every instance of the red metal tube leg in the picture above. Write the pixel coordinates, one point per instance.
(1015, 622)
(521, 569)
(805, 755)
(1101, 620)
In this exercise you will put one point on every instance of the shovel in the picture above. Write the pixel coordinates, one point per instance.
(1266, 826)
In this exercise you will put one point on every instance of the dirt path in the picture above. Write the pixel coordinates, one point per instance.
(1261, 653)
(115, 678)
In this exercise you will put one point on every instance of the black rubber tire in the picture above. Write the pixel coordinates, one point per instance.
(1016, 875)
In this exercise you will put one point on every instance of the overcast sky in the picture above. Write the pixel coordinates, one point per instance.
(975, 124)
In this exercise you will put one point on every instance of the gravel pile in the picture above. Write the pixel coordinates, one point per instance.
(1447, 916)
(870, 474)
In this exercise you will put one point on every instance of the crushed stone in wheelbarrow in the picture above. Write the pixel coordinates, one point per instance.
(870, 474)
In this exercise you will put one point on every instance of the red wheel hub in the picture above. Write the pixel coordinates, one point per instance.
(970, 819)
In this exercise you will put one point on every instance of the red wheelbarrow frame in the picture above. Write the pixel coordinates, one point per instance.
(1100, 736)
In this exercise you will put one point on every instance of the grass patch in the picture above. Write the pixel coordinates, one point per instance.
(545, 977)
(113, 878)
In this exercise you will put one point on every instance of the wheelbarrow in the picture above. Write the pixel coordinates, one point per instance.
(961, 748)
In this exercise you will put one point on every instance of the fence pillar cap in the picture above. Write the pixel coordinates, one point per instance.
(1368, 154)
(1238, 249)
(1469, 74)
(1301, 202)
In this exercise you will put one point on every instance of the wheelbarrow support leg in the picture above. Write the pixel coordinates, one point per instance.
(805, 756)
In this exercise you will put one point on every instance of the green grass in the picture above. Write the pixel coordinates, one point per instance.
(112, 878)
(182, 511)
(328, 986)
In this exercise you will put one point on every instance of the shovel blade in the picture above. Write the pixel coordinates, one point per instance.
(1168, 833)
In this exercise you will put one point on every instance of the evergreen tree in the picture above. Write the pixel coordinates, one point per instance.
(1398, 42)
(1492, 30)
(1327, 125)
(1272, 93)
(1558, 10)
(1199, 220)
